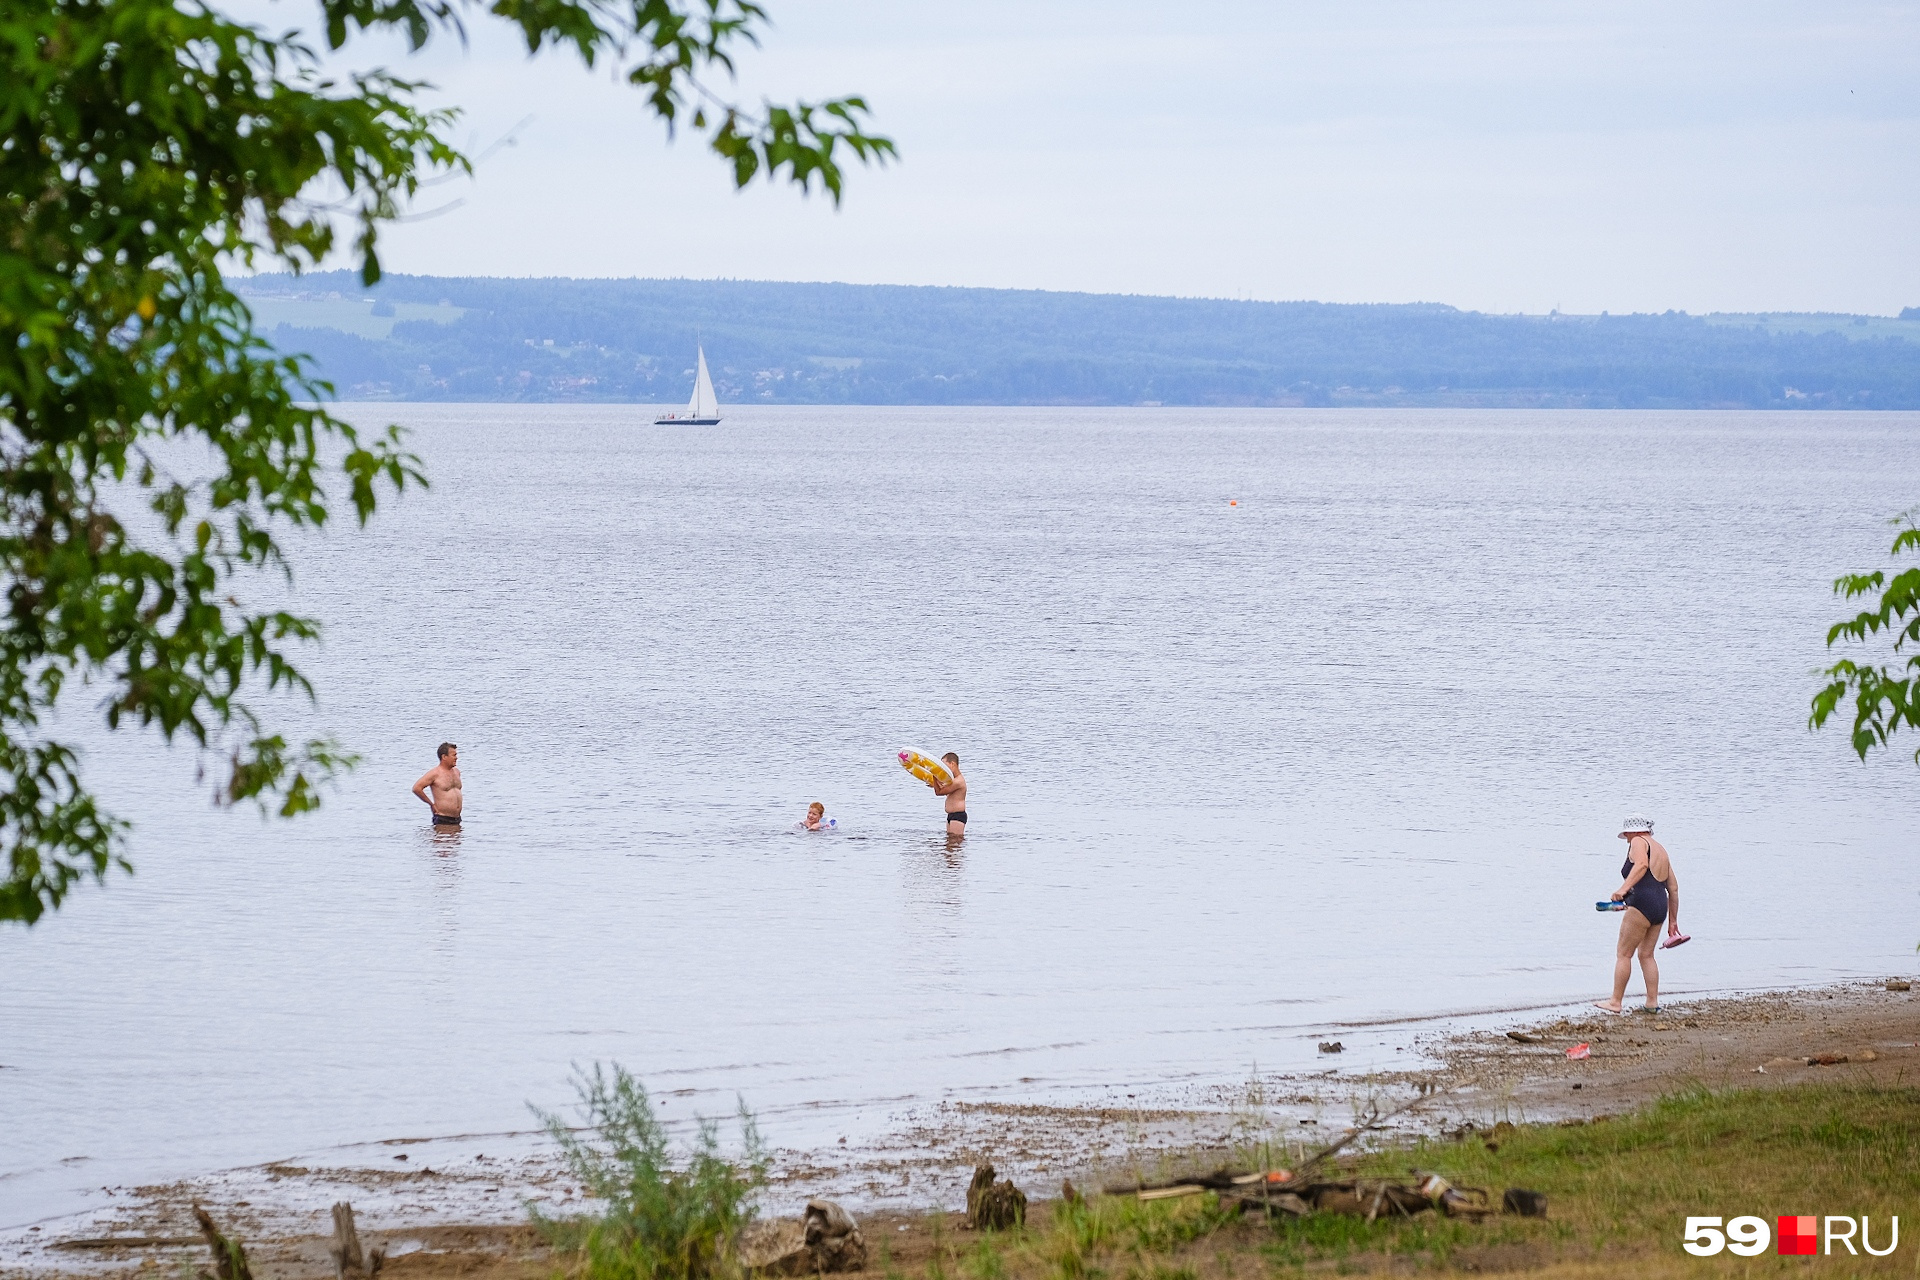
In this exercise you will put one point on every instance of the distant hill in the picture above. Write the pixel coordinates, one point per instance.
(434, 338)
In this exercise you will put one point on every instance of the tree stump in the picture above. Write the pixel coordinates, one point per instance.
(349, 1263)
(994, 1206)
(826, 1239)
(834, 1237)
(982, 1179)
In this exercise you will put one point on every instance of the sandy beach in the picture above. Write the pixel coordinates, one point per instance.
(466, 1216)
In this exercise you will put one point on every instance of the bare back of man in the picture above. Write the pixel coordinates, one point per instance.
(955, 793)
(440, 787)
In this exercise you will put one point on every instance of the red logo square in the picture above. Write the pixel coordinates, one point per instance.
(1799, 1235)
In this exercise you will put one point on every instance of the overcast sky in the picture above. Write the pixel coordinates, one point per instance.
(1733, 155)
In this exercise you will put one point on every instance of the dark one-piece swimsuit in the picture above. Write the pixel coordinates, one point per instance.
(959, 816)
(1649, 897)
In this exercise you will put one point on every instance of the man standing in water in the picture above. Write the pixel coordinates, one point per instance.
(956, 796)
(444, 781)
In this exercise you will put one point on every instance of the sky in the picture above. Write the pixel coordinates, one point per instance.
(1627, 156)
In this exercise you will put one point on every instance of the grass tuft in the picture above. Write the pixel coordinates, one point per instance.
(657, 1218)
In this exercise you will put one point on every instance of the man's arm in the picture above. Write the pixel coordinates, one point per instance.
(420, 787)
(945, 788)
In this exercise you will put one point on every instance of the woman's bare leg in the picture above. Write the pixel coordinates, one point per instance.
(1649, 968)
(1633, 930)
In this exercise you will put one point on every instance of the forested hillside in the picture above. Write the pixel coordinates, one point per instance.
(431, 338)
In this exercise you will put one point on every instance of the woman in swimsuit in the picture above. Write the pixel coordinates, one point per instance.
(1652, 894)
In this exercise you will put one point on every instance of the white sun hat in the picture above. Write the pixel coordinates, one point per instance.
(1635, 824)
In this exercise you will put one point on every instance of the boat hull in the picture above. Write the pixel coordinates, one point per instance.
(686, 422)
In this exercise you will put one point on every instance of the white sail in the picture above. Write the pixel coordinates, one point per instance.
(704, 404)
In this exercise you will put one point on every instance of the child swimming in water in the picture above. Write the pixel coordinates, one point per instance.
(817, 819)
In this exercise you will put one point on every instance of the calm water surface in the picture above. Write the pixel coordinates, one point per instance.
(1353, 749)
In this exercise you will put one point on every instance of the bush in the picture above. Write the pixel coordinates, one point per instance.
(655, 1221)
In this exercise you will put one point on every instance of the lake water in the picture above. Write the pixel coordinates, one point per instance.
(1351, 750)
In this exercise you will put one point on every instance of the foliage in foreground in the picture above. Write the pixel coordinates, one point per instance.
(1885, 698)
(657, 1218)
(153, 448)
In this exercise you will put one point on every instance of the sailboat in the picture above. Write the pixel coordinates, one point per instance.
(703, 410)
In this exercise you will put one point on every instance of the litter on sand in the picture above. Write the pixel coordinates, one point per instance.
(1580, 1051)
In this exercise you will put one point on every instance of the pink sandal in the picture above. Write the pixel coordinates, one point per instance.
(1670, 943)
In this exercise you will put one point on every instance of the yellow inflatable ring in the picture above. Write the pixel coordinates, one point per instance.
(925, 768)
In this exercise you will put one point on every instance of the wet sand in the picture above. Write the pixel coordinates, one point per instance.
(446, 1211)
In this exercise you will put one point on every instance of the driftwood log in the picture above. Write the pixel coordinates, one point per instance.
(1369, 1200)
(1231, 1182)
(1298, 1192)
(994, 1206)
(1378, 1198)
(349, 1263)
(1222, 1179)
(229, 1259)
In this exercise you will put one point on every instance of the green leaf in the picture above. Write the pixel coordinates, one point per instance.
(1885, 700)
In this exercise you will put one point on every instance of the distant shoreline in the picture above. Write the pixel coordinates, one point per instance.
(478, 339)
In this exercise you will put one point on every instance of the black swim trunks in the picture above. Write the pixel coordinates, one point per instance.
(959, 816)
(446, 819)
